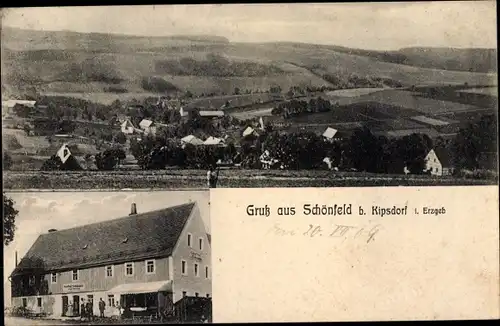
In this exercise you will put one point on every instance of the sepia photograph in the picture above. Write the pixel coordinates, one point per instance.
(250, 95)
(107, 258)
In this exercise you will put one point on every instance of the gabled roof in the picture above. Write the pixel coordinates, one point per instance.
(213, 141)
(151, 234)
(127, 123)
(330, 133)
(248, 131)
(190, 139)
(212, 113)
(145, 123)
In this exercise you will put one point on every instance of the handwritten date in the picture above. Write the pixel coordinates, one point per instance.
(337, 231)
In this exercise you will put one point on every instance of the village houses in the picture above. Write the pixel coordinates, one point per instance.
(144, 261)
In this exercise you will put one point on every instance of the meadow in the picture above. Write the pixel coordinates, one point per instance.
(196, 179)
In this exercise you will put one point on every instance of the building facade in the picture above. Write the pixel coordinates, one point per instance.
(142, 262)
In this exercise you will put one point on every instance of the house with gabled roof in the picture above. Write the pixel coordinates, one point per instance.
(331, 134)
(438, 162)
(143, 262)
(127, 127)
(148, 126)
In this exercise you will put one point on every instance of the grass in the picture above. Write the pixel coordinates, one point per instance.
(195, 179)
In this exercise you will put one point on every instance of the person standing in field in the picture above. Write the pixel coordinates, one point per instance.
(212, 176)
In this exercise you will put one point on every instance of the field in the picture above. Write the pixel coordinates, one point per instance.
(195, 179)
(113, 66)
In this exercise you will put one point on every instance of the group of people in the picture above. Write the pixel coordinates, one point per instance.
(86, 309)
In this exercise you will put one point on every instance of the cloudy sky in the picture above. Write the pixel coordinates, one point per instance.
(41, 211)
(383, 26)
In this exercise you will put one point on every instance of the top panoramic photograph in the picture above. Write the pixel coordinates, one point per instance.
(250, 95)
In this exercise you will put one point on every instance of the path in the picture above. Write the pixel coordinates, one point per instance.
(18, 321)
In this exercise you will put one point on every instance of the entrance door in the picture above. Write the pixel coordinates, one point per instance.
(64, 305)
(76, 305)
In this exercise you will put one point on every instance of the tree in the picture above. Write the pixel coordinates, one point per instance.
(120, 138)
(476, 138)
(9, 220)
(236, 91)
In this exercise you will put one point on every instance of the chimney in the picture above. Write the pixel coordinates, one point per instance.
(16, 258)
(52, 230)
(133, 209)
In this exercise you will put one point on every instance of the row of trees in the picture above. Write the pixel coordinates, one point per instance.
(295, 108)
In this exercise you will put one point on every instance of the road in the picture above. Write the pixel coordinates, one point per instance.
(17, 321)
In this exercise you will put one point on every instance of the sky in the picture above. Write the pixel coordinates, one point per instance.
(41, 211)
(377, 26)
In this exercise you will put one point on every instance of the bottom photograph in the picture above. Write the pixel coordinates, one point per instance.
(107, 257)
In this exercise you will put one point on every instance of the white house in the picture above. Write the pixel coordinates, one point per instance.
(148, 126)
(331, 134)
(249, 131)
(193, 140)
(211, 141)
(437, 162)
(127, 127)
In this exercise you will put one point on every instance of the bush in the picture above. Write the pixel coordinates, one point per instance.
(54, 163)
(7, 161)
(108, 160)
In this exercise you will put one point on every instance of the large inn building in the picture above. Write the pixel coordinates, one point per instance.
(143, 261)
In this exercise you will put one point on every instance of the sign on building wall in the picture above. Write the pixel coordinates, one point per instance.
(195, 256)
(73, 287)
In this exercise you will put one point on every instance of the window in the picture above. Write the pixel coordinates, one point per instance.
(53, 278)
(196, 272)
(25, 302)
(196, 294)
(189, 240)
(208, 295)
(200, 243)
(206, 271)
(150, 266)
(109, 271)
(183, 267)
(31, 280)
(184, 293)
(129, 269)
(111, 300)
(39, 302)
(74, 275)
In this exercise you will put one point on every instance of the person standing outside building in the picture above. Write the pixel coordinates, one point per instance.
(102, 306)
(90, 311)
(83, 311)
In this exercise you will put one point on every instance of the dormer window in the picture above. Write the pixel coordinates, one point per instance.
(189, 240)
(200, 243)
(125, 240)
(85, 246)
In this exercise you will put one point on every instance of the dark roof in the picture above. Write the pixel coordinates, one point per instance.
(443, 155)
(151, 234)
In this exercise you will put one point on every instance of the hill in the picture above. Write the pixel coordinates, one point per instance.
(110, 66)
